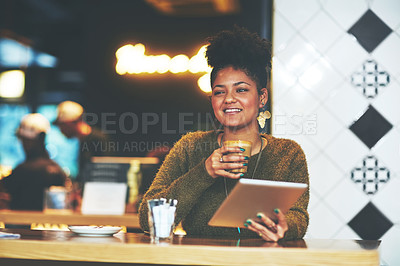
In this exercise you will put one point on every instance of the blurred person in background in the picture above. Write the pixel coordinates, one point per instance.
(92, 141)
(26, 184)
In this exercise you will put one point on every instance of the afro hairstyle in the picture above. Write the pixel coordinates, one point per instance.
(242, 50)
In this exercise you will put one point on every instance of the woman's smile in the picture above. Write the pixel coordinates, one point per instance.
(232, 110)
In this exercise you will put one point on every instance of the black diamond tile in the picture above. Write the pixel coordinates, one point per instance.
(370, 223)
(370, 31)
(371, 127)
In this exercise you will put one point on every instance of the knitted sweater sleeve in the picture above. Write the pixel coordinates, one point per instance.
(297, 217)
(178, 179)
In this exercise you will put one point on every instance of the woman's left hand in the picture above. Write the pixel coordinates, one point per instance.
(268, 229)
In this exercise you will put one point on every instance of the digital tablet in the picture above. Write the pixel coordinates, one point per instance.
(251, 196)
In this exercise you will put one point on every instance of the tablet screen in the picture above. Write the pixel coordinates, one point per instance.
(251, 196)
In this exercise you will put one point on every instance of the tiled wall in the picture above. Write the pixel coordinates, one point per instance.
(336, 91)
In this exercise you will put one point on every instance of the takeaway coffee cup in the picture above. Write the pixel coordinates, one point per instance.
(244, 144)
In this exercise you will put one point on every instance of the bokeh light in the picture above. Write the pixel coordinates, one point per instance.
(179, 64)
(204, 83)
(132, 60)
(12, 84)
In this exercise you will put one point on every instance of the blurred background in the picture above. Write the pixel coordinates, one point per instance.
(67, 51)
(335, 88)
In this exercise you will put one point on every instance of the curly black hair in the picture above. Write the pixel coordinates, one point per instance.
(242, 50)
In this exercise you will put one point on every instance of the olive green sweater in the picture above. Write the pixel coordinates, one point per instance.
(183, 176)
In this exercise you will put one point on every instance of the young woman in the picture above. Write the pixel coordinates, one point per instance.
(197, 173)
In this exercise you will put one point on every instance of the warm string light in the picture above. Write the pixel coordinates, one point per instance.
(131, 59)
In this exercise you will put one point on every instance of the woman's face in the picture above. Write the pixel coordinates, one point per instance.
(235, 99)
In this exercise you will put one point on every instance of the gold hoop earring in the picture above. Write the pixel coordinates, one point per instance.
(262, 117)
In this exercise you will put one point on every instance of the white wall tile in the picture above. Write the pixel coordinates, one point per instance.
(388, 54)
(281, 129)
(347, 199)
(346, 103)
(308, 235)
(321, 31)
(334, 202)
(389, 249)
(346, 150)
(345, 12)
(310, 149)
(323, 222)
(387, 102)
(282, 79)
(387, 200)
(328, 127)
(320, 78)
(297, 12)
(346, 233)
(297, 103)
(324, 175)
(387, 150)
(346, 55)
(388, 11)
(315, 199)
(283, 33)
(298, 55)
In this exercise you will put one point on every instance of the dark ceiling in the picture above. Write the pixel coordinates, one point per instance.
(84, 35)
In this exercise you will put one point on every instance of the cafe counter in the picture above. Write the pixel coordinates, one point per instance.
(50, 246)
(129, 220)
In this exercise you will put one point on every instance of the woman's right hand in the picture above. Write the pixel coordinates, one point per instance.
(224, 159)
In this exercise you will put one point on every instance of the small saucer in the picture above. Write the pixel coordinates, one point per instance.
(94, 230)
